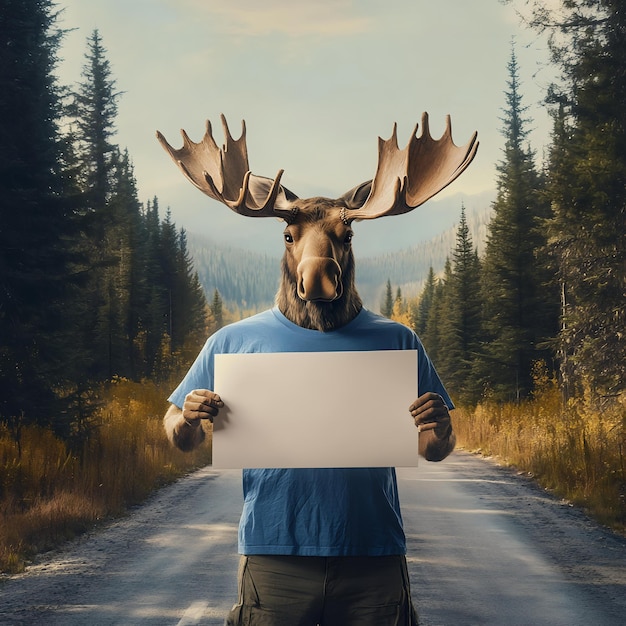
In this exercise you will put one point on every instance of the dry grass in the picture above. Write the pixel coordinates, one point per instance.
(575, 449)
(49, 494)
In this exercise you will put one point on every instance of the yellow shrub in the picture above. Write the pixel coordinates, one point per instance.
(576, 449)
(48, 494)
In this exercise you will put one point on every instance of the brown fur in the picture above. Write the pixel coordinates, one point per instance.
(317, 229)
(322, 316)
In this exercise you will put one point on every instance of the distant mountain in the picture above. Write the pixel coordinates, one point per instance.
(246, 279)
(397, 253)
(422, 225)
(408, 268)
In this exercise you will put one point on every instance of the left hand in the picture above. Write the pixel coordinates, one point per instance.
(430, 412)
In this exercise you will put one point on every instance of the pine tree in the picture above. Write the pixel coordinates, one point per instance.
(461, 326)
(179, 310)
(94, 109)
(156, 297)
(190, 303)
(588, 189)
(217, 311)
(386, 308)
(425, 302)
(168, 250)
(37, 228)
(129, 282)
(515, 297)
(432, 337)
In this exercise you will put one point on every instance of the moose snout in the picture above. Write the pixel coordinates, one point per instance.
(319, 278)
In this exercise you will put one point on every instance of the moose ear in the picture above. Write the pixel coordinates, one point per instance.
(355, 198)
(259, 187)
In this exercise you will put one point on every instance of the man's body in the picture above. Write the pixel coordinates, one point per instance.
(319, 545)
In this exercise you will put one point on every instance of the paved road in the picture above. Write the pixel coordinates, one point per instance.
(486, 547)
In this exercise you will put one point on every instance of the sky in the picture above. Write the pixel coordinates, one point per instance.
(317, 82)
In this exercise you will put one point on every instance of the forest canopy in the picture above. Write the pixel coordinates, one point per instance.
(96, 284)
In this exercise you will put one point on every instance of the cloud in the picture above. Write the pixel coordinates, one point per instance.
(321, 18)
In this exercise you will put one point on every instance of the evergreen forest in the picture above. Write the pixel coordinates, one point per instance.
(549, 290)
(99, 288)
(94, 284)
(97, 284)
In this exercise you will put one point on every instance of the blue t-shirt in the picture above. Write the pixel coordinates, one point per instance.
(316, 512)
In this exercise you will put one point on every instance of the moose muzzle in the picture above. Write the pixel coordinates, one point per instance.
(319, 279)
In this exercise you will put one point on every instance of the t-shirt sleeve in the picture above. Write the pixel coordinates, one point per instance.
(428, 378)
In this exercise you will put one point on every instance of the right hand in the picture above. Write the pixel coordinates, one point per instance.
(201, 404)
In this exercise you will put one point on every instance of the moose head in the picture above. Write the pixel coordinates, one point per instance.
(317, 287)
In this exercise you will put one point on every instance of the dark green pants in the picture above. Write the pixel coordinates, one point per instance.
(324, 591)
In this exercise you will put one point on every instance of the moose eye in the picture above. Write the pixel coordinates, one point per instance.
(288, 238)
(348, 238)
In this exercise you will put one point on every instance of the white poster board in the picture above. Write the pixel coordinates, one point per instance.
(316, 409)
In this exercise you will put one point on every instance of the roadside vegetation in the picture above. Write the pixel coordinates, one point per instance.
(51, 490)
(575, 449)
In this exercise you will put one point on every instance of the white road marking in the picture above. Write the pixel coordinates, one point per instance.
(193, 614)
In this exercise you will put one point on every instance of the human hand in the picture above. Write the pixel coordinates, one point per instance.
(430, 412)
(201, 404)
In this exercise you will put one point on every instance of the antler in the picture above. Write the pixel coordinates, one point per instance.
(407, 178)
(224, 174)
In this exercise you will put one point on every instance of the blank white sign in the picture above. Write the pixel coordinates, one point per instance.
(316, 409)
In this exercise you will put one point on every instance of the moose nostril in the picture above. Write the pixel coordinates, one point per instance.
(301, 289)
